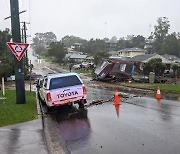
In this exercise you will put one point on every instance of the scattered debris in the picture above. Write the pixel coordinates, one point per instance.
(101, 101)
(117, 70)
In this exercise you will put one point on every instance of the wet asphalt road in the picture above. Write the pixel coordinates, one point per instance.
(140, 125)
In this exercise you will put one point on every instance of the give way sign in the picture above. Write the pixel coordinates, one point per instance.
(18, 49)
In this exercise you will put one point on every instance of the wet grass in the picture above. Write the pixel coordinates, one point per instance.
(12, 113)
(165, 87)
(84, 71)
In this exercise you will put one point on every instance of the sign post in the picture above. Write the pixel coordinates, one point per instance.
(31, 67)
(18, 49)
(3, 86)
(18, 64)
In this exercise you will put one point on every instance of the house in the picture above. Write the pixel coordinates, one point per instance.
(89, 59)
(77, 57)
(76, 46)
(113, 53)
(172, 58)
(111, 44)
(147, 57)
(131, 52)
(121, 70)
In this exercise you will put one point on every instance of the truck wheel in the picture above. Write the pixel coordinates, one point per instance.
(70, 106)
(81, 104)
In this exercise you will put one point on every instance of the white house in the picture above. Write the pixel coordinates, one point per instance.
(77, 57)
(131, 52)
(147, 57)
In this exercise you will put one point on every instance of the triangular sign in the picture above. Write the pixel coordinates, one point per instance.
(18, 49)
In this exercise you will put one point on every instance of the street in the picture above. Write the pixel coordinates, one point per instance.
(140, 125)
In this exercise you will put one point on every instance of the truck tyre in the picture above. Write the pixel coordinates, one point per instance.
(70, 106)
(81, 103)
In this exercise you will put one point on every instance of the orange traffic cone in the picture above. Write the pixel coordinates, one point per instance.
(116, 98)
(158, 94)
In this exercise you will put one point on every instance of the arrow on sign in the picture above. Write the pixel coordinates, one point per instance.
(18, 49)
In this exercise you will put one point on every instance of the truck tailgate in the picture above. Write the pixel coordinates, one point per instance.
(66, 93)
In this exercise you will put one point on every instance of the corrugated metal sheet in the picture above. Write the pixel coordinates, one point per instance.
(116, 69)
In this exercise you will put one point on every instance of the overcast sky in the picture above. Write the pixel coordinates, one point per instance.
(94, 18)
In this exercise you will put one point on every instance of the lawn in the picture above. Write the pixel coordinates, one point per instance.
(84, 71)
(165, 87)
(12, 113)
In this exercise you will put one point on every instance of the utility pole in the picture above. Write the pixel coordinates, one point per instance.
(22, 35)
(24, 39)
(16, 35)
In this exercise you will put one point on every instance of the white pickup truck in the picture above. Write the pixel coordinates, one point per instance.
(60, 89)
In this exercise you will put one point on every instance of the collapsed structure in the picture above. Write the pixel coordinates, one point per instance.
(121, 70)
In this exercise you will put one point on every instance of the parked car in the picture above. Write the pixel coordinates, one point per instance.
(84, 65)
(77, 66)
(11, 78)
(60, 89)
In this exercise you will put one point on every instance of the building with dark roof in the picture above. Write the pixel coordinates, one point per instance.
(147, 57)
(172, 58)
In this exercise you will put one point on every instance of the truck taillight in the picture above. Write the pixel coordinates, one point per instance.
(84, 90)
(48, 97)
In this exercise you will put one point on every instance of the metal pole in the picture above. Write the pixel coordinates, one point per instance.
(16, 35)
(25, 58)
(3, 86)
(22, 35)
(30, 74)
(25, 37)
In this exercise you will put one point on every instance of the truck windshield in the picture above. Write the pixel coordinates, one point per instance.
(66, 81)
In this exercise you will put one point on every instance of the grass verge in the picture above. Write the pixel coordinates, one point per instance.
(165, 87)
(12, 113)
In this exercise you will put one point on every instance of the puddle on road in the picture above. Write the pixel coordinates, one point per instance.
(171, 96)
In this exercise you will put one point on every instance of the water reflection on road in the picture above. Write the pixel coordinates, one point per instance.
(139, 125)
(74, 127)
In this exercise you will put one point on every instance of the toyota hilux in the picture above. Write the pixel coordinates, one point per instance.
(60, 89)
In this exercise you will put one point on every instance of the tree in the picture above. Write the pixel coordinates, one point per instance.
(171, 45)
(41, 41)
(6, 57)
(40, 50)
(93, 46)
(100, 54)
(57, 50)
(120, 44)
(130, 42)
(138, 41)
(154, 65)
(160, 32)
(71, 40)
(44, 38)
(176, 69)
